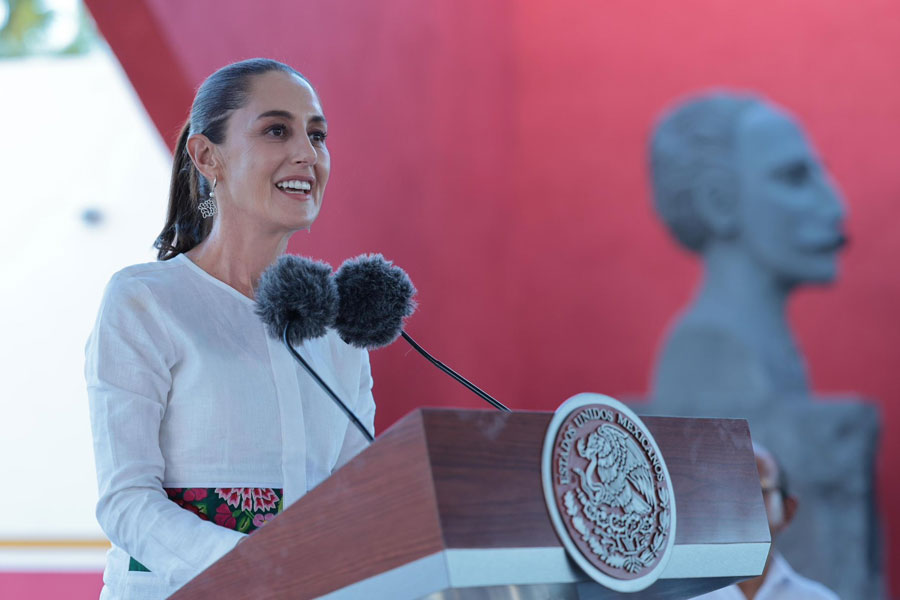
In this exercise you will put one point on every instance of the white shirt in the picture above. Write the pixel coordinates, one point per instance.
(186, 390)
(781, 583)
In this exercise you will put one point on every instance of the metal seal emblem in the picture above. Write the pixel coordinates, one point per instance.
(608, 492)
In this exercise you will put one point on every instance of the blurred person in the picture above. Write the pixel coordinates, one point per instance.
(203, 426)
(736, 181)
(778, 580)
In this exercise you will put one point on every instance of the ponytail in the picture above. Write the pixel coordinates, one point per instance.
(184, 227)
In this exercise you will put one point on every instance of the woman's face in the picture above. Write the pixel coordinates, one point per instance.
(274, 162)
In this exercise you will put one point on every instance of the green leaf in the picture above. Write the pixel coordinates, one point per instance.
(244, 523)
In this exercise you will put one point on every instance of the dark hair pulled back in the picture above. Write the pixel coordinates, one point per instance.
(224, 91)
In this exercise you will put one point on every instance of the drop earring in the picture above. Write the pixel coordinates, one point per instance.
(208, 207)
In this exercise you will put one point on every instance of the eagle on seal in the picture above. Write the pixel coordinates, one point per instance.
(618, 474)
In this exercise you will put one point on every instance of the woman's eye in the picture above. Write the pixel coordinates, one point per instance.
(318, 136)
(277, 131)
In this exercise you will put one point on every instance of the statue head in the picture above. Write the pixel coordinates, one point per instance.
(733, 169)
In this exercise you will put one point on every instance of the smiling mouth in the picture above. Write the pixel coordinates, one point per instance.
(295, 187)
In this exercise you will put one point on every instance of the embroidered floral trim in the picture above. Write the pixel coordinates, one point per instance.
(241, 509)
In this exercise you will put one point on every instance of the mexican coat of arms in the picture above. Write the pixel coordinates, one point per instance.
(608, 492)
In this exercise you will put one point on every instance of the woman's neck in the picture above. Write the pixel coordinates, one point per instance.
(236, 255)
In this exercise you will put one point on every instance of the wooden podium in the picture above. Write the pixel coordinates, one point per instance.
(448, 504)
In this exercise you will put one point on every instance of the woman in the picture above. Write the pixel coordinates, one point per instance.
(203, 426)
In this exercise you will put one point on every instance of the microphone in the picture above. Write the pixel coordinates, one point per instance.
(297, 299)
(376, 297)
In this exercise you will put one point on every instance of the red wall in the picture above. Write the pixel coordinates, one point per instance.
(495, 149)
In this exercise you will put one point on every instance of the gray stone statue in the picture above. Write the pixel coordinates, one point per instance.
(736, 181)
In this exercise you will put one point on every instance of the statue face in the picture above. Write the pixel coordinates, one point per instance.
(791, 216)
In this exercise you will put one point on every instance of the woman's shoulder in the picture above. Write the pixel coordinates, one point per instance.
(156, 275)
(158, 270)
(131, 308)
(143, 287)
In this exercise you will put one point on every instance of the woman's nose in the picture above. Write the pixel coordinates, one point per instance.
(305, 152)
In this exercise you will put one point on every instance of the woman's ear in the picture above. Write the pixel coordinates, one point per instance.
(717, 203)
(204, 155)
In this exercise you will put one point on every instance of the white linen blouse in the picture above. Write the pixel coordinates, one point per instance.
(186, 389)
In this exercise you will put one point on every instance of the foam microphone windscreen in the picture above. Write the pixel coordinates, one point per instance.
(375, 298)
(298, 293)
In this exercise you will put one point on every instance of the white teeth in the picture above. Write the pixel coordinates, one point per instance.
(295, 184)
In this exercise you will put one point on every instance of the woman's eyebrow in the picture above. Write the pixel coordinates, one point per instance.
(284, 114)
(276, 113)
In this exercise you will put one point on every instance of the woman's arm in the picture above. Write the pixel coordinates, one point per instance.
(129, 357)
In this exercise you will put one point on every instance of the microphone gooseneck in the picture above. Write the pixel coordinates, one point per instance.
(376, 297)
(474, 388)
(297, 300)
(326, 387)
